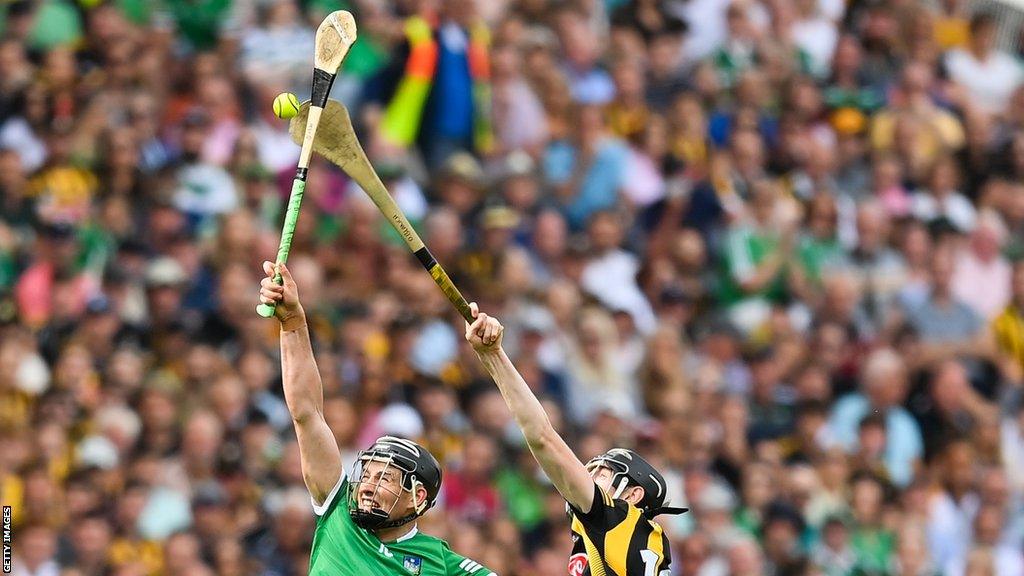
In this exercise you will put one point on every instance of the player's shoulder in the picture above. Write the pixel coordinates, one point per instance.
(456, 564)
(427, 545)
(336, 504)
(426, 542)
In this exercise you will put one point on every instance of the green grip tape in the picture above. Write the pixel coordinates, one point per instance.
(291, 217)
(267, 310)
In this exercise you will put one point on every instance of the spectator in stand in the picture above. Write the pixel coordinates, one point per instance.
(1008, 326)
(438, 88)
(975, 67)
(586, 172)
(982, 266)
(885, 388)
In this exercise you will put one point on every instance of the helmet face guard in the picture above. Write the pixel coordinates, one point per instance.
(377, 517)
(620, 473)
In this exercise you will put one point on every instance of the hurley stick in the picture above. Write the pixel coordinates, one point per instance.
(334, 37)
(336, 140)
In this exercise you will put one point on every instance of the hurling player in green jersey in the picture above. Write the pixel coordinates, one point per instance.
(366, 525)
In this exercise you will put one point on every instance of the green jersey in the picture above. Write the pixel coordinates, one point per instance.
(340, 548)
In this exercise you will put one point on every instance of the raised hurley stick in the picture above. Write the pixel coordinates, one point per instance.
(336, 141)
(334, 37)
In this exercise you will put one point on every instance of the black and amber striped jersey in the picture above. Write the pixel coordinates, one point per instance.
(615, 539)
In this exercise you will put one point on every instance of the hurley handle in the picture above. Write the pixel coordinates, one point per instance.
(444, 282)
(291, 217)
(334, 37)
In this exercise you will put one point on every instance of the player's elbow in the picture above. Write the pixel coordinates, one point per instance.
(304, 415)
(541, 438)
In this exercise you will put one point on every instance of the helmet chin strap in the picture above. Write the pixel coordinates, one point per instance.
(378, 521)
(421, 507)
(399, 521)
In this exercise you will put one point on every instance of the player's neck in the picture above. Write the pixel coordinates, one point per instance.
(403, 532)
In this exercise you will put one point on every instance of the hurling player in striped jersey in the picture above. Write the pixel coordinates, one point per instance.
(613, 499)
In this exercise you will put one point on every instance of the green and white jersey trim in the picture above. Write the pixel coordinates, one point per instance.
(470, 566)
(408, 535)
(321, 509)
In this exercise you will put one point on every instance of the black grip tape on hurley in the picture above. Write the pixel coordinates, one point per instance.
(301, 173)
(425, 258)
(322, 82)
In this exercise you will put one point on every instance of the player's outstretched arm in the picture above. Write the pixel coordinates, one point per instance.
(565, 470)
(303, 389)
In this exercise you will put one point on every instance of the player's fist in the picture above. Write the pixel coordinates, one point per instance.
(284, 296)
(484, 334)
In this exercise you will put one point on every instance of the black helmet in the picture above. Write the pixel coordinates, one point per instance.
(630, 469)
(417, 467)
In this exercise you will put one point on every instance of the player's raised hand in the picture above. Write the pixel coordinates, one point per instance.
(284, 297)
(484, 334)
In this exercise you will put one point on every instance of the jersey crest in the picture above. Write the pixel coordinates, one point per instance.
(413, 564)
(578, 564)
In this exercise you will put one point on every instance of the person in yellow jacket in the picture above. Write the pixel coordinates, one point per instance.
(437, 92)
(1009, 325)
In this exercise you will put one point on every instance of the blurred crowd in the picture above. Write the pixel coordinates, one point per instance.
(774, 245)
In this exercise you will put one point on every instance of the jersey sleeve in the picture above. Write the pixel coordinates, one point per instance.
(458, 565)
(604, 514)
(336, 498)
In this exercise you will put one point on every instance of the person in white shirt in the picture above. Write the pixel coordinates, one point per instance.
(981, 274)
(202, 189)
(35, 552)
(988, 75)
(279, 46)
(816, 35)
(988, 525)
(610, 273)
(941, 199)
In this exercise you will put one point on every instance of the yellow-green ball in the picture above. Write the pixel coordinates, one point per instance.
(286, 105)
